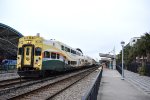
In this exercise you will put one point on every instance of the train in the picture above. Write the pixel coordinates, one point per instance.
(39, 57)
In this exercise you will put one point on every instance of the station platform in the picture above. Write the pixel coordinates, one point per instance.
(113, 88)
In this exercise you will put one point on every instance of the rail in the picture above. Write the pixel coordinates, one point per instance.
(91, 94)
(119, 69)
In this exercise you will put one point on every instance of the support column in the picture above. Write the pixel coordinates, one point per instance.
(110, 64)
(114, 64)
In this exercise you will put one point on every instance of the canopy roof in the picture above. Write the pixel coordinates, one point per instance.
(9, 38)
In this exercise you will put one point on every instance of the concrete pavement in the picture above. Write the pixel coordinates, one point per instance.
(113, 88)
(140, 82)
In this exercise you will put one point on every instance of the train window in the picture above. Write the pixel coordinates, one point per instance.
(62, 47)
(38, 51)
(27, 51)
(73, 62)
(53, 55)
(57, 56)
(68, 62)
(68, 50)
(46, 54)
(78, 54)
(20, 51)
(73, 51)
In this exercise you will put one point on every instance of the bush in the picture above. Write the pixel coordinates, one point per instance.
(142, 70)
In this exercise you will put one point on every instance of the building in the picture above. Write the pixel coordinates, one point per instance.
(9, 38)
(133, 40)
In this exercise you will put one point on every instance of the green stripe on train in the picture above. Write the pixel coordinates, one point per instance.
(55, 65)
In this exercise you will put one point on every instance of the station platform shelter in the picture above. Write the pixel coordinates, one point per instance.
(9, 38)
(108, 60)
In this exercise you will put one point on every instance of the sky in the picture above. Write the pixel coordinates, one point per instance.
(94, 26)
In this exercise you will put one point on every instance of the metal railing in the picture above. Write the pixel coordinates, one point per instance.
(91, 94)
(7, 68)
(119, 69)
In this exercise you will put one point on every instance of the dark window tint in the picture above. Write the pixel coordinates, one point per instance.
(27, 51)
(46, 54)
(57, 56)
(38, 51)
(19, 51)
(62, 47)
(69, 62)
(53, 55)
(68, 50)
(73, 62)
(133, 41)
(72, 51)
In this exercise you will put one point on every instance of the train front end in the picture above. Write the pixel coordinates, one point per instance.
(29, 57)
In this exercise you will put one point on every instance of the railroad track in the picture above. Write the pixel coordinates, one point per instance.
(9, 80)
(52, 89)
(12, 82)
(15, 84)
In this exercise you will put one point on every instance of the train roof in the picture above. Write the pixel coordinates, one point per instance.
(76, 49)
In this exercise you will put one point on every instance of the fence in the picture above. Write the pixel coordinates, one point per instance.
(91, 94)
(134, 67)
(118, 68)
(7, 68)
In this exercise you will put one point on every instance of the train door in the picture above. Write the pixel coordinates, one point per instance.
(28, 56)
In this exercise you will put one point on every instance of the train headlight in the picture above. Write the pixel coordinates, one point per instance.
(39, 64)
(29, 42)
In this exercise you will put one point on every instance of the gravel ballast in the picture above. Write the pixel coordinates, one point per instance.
(6, 76)
(78, 90)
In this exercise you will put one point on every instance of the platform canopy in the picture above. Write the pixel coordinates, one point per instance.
(8, 42)
(106, 55)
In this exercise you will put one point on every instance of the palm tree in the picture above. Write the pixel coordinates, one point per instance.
(146, 45)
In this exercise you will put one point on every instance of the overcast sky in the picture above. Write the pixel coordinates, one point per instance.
(94, 26)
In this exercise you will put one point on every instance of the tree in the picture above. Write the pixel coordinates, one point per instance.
(139, 50)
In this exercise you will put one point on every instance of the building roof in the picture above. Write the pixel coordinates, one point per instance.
(9, 38)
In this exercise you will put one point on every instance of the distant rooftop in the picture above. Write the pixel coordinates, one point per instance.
(9, 38)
